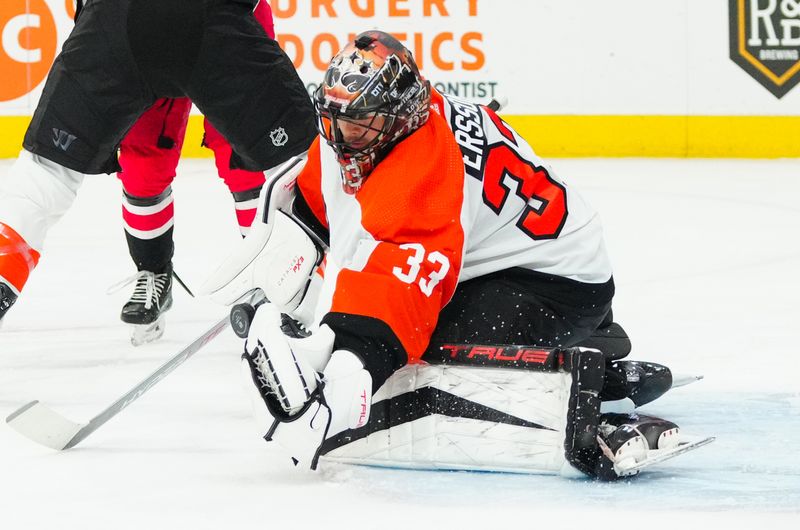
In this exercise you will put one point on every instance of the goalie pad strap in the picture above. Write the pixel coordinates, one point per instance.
(580, 444)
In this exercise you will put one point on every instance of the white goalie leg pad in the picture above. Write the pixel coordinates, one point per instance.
(284, 373)
(239, 273)
(467, 418)
(35, 194)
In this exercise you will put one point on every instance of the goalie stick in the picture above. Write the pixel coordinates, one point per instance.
(47, 427)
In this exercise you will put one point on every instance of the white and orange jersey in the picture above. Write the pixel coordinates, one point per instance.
(461, 197)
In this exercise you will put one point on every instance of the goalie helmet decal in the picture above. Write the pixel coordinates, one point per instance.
(372, 96)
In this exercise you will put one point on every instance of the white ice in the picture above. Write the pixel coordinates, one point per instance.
(706, 259)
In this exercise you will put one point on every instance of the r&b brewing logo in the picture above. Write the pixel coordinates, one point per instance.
(765, 41)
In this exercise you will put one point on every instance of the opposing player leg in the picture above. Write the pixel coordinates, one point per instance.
(88, 102)
(245, 186)
(148, 225)
(29, 183)
(249, 90)
(149, 156)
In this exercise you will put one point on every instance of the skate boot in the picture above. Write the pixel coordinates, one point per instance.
(630, 440)
(7, 299)
(639, 381)
(152, 297)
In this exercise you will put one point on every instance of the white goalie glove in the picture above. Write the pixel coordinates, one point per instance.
(278, 256)
(302, 391)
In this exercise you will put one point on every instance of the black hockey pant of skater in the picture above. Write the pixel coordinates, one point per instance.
(123, 55)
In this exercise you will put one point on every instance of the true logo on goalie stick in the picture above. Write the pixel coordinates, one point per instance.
(765, 41)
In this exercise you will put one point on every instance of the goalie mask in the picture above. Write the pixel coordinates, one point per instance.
(372, 97)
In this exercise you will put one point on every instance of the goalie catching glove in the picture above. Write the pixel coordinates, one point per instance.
(302, 391)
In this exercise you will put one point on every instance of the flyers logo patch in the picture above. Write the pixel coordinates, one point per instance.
(765, 41)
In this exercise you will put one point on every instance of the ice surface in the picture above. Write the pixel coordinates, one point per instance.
(706, 256)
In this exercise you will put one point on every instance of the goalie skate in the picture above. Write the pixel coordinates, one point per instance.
(633, 442)
(632, 384)
(658, 456)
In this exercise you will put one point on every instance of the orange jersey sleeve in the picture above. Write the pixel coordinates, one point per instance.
(411, 204)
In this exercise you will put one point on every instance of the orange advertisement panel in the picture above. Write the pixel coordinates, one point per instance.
(29, 42)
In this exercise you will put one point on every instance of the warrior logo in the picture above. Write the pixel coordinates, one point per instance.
(279, 137)
(63, 139)
(765, 41)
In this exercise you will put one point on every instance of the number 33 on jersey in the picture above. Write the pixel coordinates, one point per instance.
(461, 197)
(414, 263)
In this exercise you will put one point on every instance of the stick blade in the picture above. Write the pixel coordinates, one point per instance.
(44, 426)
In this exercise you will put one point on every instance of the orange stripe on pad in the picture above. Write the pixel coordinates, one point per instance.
(17, 258)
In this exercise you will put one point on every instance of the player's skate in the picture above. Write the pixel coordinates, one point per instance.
(7, 299)
(631, 442)
(631, 384)
(152, 297)
(639, 381)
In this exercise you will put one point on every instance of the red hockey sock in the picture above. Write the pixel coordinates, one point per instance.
(148, 217)
(246, 205)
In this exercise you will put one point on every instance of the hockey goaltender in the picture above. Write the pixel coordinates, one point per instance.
(404, 257)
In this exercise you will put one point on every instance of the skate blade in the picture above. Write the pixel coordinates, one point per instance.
(656, 456)
(142, 334)
(679, 380)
